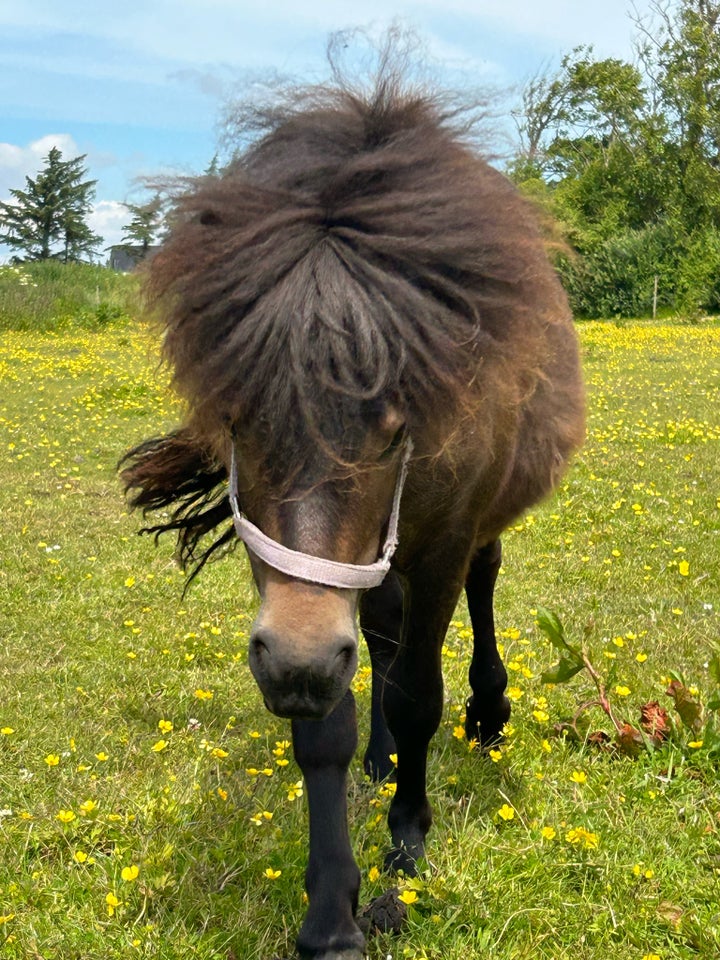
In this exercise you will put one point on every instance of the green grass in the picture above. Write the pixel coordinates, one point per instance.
(602, 856)
(50, 295)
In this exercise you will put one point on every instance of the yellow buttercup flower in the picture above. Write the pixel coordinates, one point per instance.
(112, 903)
(408, 897)
(579, 835)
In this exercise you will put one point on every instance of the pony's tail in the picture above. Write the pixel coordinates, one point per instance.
(178, 473)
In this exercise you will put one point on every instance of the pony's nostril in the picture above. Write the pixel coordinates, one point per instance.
(259, 650)
(345, 656)
(258, 645)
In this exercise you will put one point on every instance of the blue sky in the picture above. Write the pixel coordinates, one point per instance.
(138, 86)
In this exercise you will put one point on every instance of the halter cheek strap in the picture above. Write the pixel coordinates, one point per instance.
(304, 566)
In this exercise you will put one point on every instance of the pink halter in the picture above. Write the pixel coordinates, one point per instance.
(330, 573)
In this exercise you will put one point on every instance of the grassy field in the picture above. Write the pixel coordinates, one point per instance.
(150, 806)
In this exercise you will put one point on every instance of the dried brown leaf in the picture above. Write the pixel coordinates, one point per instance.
(385, 914)
(655, 721)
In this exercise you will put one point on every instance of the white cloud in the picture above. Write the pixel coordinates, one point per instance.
(109, 218)
(562, 23)
(195, 33)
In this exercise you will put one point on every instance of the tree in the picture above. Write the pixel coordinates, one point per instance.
(689, 59)
(144, 228)
(48, 219)
(627, 158)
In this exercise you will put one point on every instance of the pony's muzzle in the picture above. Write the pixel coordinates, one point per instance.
(306, 682)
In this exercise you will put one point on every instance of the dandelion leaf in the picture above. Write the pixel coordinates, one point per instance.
(553, 629)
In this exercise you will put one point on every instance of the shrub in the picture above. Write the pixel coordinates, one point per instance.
(698, 280)
(617, 276)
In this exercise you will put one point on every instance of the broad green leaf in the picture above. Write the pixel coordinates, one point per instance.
(563, 671)
(551, 626)
(687, 706)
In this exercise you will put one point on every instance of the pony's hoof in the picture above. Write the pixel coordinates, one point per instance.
(486, 727)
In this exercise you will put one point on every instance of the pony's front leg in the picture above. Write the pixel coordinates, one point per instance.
(381, 619)
(323, 750)
(413, 703)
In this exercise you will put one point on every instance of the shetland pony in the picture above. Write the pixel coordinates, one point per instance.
(376, 353)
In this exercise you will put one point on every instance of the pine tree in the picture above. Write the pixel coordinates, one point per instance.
(144, 228)
(48, 219)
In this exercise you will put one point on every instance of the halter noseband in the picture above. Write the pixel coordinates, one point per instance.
(304, 566)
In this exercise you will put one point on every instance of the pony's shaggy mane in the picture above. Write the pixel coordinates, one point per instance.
(359, 253)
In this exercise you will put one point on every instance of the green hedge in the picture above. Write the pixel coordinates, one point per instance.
(615, 277)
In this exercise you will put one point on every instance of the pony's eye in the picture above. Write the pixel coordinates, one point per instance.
(394, 443)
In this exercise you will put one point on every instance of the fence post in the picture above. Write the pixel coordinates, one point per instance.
(655, 289)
